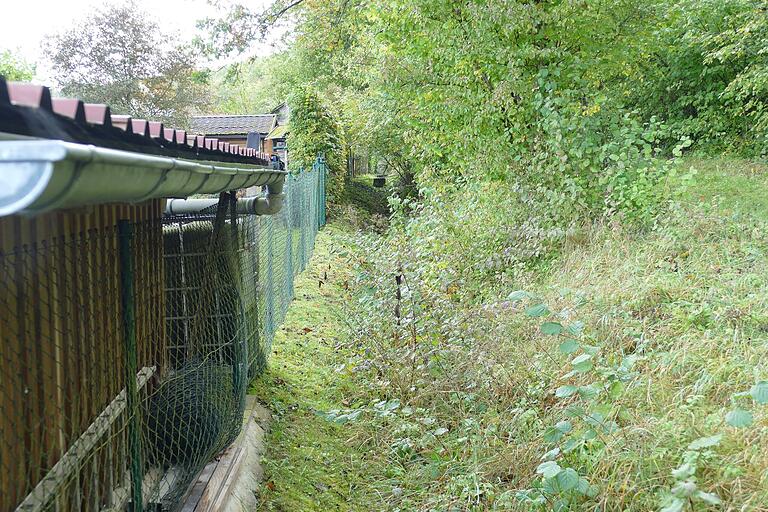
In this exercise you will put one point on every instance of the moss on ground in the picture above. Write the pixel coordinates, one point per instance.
(311, 464)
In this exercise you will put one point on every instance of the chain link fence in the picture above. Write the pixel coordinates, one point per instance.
(127, 348)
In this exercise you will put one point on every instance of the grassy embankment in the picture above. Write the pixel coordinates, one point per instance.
(689, 302)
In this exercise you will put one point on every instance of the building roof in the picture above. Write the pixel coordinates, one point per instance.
(279, 132)
(232, 125)
(28, 110)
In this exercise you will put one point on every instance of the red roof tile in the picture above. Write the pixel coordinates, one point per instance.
(140, 126)
(29, 110)
(71, 108)
(97, 113)
(30, 95)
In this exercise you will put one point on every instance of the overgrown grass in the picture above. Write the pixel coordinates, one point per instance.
(433, 398)
(359, 191)
(739, 185)
(674, 323)
(311, 464)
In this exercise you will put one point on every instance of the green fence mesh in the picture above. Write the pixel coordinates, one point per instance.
(127, 350)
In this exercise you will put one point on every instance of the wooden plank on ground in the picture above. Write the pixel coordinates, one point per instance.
(212, 488)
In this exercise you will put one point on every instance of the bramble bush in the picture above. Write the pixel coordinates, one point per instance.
(613, 387)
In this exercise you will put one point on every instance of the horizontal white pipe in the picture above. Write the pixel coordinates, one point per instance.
(269, 204)
(41, 175)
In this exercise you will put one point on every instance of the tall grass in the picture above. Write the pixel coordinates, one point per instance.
(459, 383)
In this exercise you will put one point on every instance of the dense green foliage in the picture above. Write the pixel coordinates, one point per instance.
(704, 70)
(563, 316)
(14, 68)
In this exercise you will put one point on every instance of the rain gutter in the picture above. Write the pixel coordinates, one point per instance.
(42, 175)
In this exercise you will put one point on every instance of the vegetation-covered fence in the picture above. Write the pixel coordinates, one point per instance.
(127, 347)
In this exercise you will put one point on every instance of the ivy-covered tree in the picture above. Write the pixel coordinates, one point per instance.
(119, 56)
(316, 132)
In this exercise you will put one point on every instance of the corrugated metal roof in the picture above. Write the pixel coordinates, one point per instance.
(28, 110)
(231, 125)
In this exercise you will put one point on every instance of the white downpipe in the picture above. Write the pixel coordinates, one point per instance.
(42, 175)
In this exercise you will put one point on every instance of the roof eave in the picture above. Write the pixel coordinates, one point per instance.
(44, 175)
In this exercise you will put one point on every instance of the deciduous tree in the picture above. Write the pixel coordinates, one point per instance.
(119, 56)
(15, 68)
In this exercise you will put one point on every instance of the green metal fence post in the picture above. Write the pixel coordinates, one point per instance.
(240, 343)
(257, 286)
(270, 281)
(291, 219)
(125, 238)
(323, 169)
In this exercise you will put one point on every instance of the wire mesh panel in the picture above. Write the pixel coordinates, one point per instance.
(126, 347)
(63, 401)
(197, 408)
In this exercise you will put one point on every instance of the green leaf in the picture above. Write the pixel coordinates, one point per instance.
(572, 444)
(616, 389)
(551, 454)
(687, 470)
(595, 418)
(552, 435)
(549, 469)
(576, 328)
(588, 392)
(674, 505)
(584, 488)
(739, 418)
(629, 362)
(517, 296)
(705, 442)
(551, 328)
(567, 479)
(759, 392)
(537, 310)
(591, 350)
(565, 391)
(575, 411)
(564, 426)
(569, 346)
(582, 363)
(709, 498)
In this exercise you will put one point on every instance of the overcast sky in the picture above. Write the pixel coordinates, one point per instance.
(24, 23)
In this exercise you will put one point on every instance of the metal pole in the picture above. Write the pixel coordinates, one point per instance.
(240, 359)
(125, 237)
